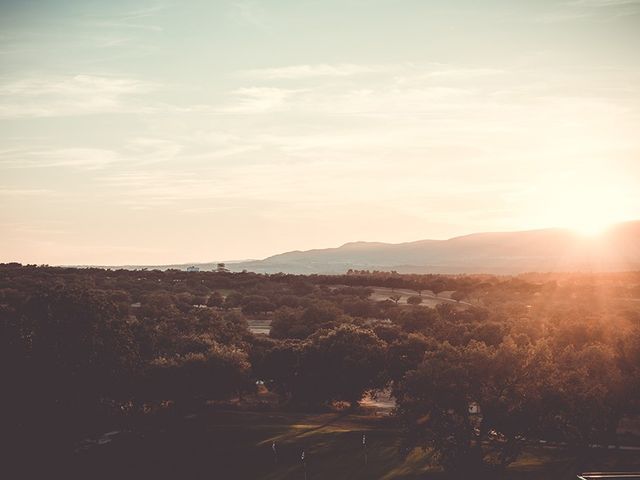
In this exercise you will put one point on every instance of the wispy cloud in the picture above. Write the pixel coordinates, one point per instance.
(296, 72)
(71, 95)
(112, 41)
(310, 71)
(74, 85)
(137, 19)
(602, 3)
(592, 10)
(83, 158)
(381, 100)
(258, 99)
(24, 192)
(249, 12)
(125, 25)
(145, 12)
(45, 228)
(448, 72)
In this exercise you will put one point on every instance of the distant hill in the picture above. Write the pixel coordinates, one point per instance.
(547, 250)
(498, 252)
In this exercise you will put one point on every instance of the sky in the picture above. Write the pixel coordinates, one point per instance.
(180, 131)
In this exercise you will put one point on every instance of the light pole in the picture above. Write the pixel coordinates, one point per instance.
(304, 464)
(364, 447)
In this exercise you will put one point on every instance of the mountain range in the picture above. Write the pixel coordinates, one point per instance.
(617, 249)
(545, 250)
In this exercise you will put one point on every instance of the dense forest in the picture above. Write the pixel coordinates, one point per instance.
(478, 365)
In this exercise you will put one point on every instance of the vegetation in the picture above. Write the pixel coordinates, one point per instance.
(498, 365)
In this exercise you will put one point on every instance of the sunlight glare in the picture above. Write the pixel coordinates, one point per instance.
(588, 206)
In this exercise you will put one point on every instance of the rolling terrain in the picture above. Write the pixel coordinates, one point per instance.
(546, 250)
(617, 249)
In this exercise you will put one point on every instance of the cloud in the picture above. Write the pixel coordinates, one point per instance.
(354, 89)
(112, 41)
(83, 158)
(147, 150)
(384, 100)
(145, 12)
(452, 73)
(72, 95)
(398, 133)
(24, 192)
(131, 20)
(600, 10)
(434, 71)
(259, 99)
(249, 13)
(75, 85)
(125, 25)
(296, 72)
(602, 3)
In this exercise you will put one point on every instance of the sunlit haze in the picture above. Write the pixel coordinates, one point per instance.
(166, 132)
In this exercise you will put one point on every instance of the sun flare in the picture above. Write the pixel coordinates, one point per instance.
(591, 229)
(588, 219)
(587, 204)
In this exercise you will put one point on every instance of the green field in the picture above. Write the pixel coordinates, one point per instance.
(237, 445)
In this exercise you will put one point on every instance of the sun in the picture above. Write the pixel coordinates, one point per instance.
(591, 229)
(587, 218)
(587, 204)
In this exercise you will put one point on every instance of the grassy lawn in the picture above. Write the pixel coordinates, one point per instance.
(237, 445)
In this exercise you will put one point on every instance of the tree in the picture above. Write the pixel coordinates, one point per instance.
(404, 355)
(215, 300)
(358, 307)
(71, 353)
(277, 363)
(629, 360)
(185, 301)
(507, 383)
(80, 344)
(491, 333)
(387, 331)
(417, 319)
(588, 396)
(229, 328)
(233, 300)
(256, 304)
(459, 295)
(395, 298)
(342, 364)
(217, 373)
(414, 300)
(437, 286)
(433, 405)
(286, 324)
(302, 322)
